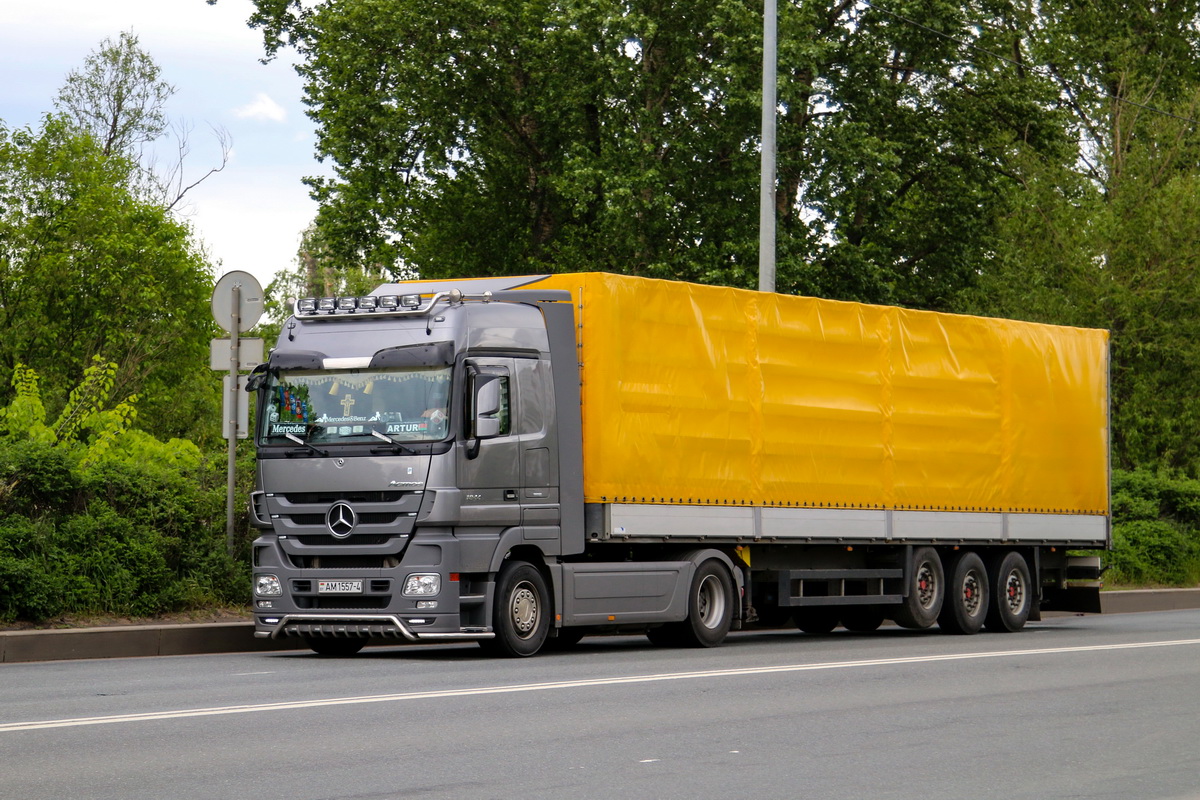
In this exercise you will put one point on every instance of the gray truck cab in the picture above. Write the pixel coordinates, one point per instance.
(407, 446)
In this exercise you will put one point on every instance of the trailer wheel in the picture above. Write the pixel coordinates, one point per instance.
(926, 593)
(1012, 593)
(710, 606)
(815, 620)
(862, 619)
(521, 618)
(967, 597)
(334, 647)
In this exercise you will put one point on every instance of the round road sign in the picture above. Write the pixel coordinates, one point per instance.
(250, 300)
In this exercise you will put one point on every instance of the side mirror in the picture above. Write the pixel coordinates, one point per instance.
(257, 378)
(486, 416)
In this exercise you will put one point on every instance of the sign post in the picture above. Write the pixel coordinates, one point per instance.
(237, 305)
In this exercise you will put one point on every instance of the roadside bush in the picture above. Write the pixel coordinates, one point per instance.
(131, 536)
(1156, 529)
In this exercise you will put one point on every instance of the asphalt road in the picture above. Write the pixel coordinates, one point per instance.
(1095, 707)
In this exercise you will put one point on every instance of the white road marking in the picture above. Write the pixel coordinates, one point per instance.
(188, 713)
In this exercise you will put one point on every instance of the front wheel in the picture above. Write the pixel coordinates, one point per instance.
(521, 617)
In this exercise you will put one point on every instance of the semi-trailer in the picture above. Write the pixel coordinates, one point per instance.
(522, 461)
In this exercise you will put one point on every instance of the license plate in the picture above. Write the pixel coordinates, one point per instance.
(339, 587)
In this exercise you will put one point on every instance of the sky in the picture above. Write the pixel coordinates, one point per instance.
(250, 215)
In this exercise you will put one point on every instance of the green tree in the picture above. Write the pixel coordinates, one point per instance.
(1107, 238)
(119, 96)
(475, 137)
(89, 269)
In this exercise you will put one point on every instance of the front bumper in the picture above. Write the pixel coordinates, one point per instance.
(339, 626)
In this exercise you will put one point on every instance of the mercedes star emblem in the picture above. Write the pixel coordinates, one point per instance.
(341, 520)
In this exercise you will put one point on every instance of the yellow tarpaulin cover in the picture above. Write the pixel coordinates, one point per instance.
(701, 394)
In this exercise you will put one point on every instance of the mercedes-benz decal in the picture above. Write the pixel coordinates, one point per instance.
(341, 520)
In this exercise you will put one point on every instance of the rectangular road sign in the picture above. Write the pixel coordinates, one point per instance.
(243, 407)
(250, 353)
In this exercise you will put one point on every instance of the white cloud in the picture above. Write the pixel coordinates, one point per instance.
(263, 109)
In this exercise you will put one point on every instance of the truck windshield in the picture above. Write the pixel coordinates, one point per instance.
(410, 405)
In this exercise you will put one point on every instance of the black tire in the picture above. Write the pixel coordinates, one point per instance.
(967, 595)
(926, 593)
(1012, 593)
(334, 647)
(862, 619)
(815, 620)
(521, 616)
(710, 606)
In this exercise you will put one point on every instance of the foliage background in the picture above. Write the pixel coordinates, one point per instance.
(996, 158)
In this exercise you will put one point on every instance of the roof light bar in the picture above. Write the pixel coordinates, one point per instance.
(391, 305)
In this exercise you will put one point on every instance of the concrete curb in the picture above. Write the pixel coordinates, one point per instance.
(128, 641)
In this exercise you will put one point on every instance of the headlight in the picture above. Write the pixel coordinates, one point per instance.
(422, 585)
(267, 586)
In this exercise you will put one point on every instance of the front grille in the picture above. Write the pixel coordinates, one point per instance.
(367, 518)
(329, 541)
(344, 562)
(360, 603)
(307, 498)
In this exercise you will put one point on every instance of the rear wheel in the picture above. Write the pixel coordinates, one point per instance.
(1012, 593)
(926, 591)
(966, 604)
(521, 618)
(334, 647)
(710, 606)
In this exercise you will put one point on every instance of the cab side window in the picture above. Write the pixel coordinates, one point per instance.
(505, 415)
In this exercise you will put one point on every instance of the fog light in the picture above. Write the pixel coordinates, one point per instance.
(268, 586)
(427, 604)
(410, 300)
(266, 604)
(422, 585)
(388, 301)
(326, 304)
(347, 303)
(366, 304)
(306, 305)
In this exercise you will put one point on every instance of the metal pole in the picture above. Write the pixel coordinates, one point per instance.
(766, 218)
(234, 363)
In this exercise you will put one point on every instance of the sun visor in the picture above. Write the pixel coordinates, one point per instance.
(296, 359)
(437, 354)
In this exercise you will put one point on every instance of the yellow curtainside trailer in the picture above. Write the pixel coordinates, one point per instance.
(701, 395)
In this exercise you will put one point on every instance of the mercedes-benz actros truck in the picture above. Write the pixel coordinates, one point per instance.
(523, 461)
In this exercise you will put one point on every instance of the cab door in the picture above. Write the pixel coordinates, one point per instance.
(489, 469)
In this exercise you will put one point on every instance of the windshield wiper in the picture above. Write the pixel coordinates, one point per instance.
(303, 443)
(399, 448)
